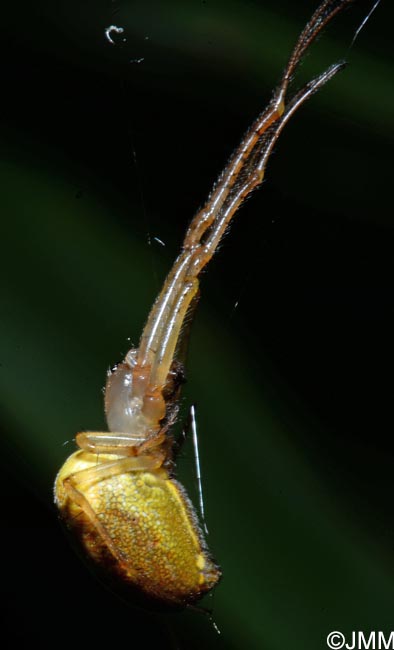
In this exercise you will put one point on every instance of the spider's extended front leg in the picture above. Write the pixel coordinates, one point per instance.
(244, 173)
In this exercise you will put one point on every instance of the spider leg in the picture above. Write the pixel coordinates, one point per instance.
(242, 175)
(108, 469)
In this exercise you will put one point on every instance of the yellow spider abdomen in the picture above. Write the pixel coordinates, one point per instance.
(140, 528)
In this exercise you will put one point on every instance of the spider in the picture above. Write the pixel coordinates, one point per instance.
(117, 494)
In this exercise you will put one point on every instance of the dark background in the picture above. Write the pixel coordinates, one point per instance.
(291, 354)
